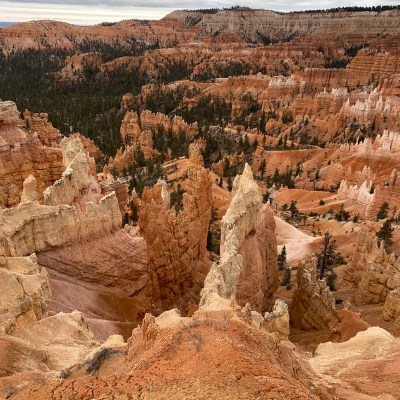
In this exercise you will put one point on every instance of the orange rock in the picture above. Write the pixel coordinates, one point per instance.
(177, 241)
(26, 153)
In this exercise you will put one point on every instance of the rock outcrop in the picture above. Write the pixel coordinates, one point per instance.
(39, 124)
(218, 355)
(75, 210)
(313, 305)
(133, 125)
(25, 292)
(366, 248)
(248, 268)
(278, 320)
(30, 341)
(244, 280)
(391, 309)
(8, 113)
(381, 275)
(138, 131)
(176, 241)
(77, 236)
(348, 325)
(333, 358)
(25, 153)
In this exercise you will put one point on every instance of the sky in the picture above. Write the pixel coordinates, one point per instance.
(88, 12)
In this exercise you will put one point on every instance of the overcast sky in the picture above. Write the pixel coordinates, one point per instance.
(96, 11)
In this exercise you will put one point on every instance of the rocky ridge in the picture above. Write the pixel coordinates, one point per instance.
(26, 153)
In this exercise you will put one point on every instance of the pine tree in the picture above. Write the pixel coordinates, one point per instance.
(383, 211)
(263, 167)
(328, 256)
(386, 233)
(229, 183)
(227, 167)
(286, 277)
(293, 209)
(262, 122)
(282, 258)
(342, 214)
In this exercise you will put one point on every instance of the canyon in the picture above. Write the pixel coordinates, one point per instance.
(204, 206)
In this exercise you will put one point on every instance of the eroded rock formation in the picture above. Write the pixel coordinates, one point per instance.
(313, 305)
(25, 153)
(78, 237)
(39, 124)
(245, 278)
(381, 275)
(182, 344)
(348, 325)
(176, 242)
(247, 269)
(366, 248)
(31, 342)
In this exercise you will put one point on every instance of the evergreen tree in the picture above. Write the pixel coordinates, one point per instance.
(246, 144)
(263, 167)
(383, 211)
(227, 167)
(262, 122)
(328, 256)
(209, 240)
(229, 183)
(176, 198)
(386, 233)
(276, 177)
(342, 214)
(134, 212)
(293, 209)
(282, 258)
(286, 277)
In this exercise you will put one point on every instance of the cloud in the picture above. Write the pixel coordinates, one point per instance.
(96, 11)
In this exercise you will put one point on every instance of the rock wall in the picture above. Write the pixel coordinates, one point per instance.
(391, 308)
(25, 292)
(177, 241)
